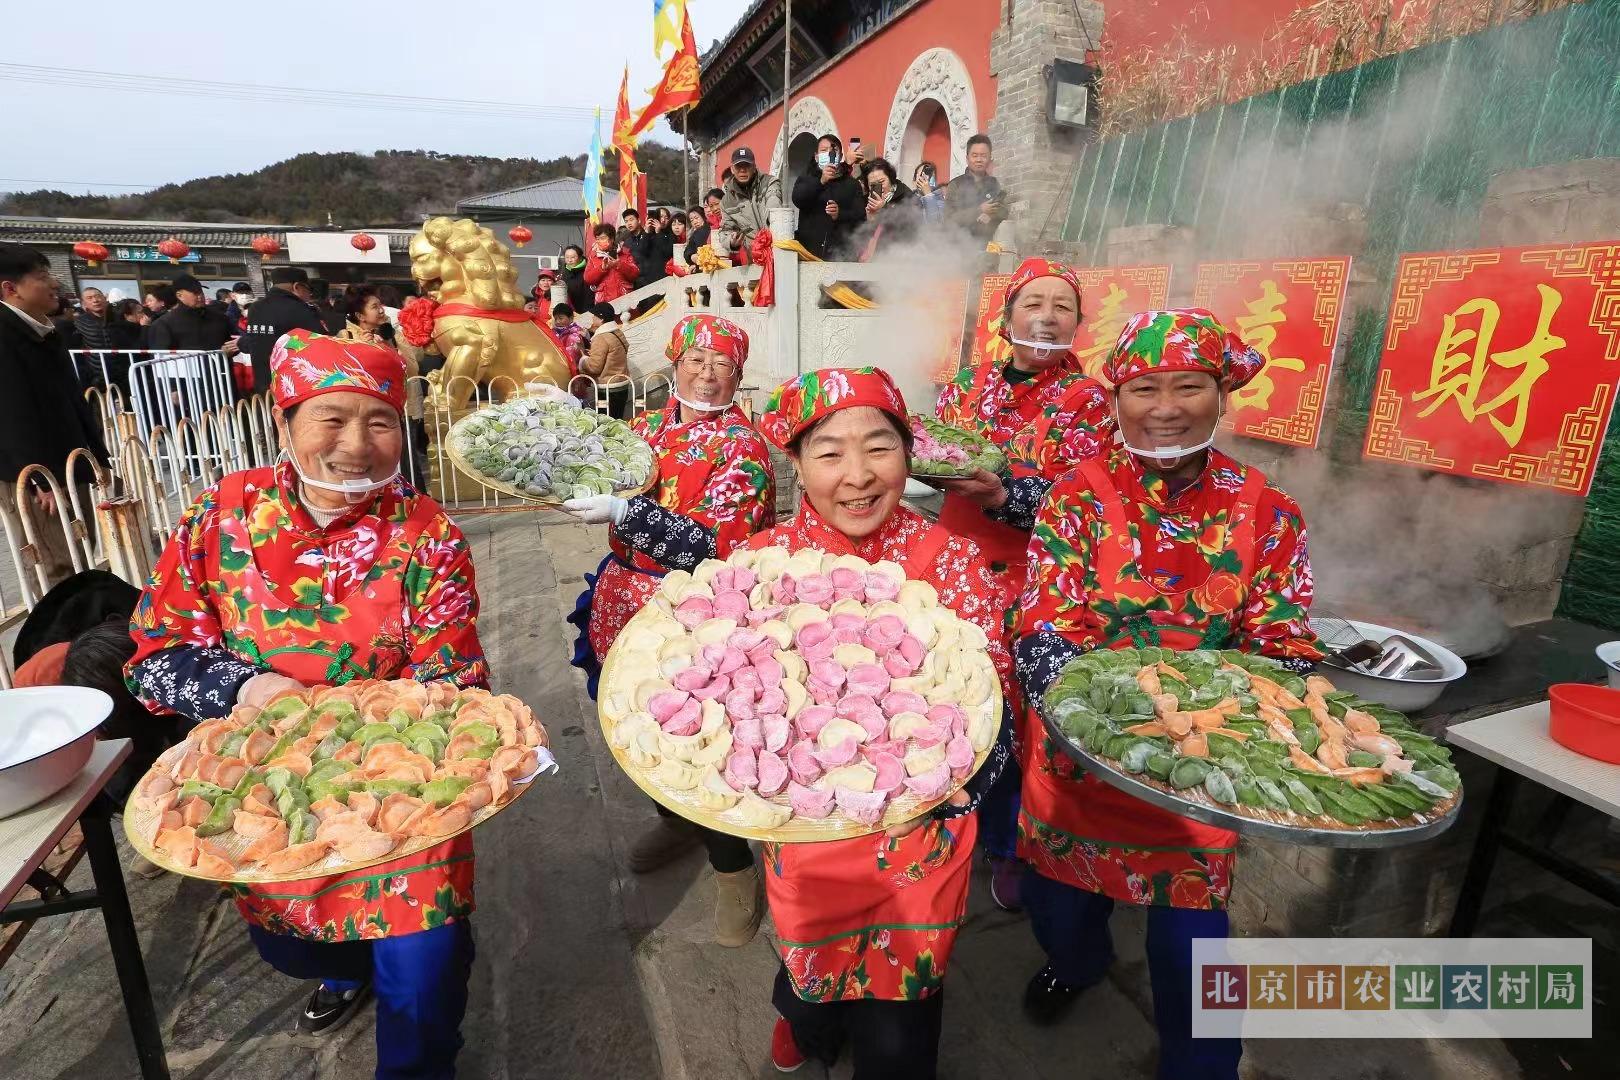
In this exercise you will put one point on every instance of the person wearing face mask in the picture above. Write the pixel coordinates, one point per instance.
(853, 926)
(1043, 411)
(893, 213)
(1169, 542)
(831, 202)
(925, 182)
(714, 489)
(321, 569)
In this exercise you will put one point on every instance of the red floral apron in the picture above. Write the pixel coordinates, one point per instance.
(872, 917)
(419, 892)
(1078, 830)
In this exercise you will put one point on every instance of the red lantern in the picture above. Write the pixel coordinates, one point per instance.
(266, 246)
(174, 249)
(519, 235)
(91, 252)
(362, 242)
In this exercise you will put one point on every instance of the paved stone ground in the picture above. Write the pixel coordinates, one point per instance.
(584, 970)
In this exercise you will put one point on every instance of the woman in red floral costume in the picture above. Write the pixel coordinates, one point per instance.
(714, 490)
(1164, 542)
(325, 568)
(866, 926)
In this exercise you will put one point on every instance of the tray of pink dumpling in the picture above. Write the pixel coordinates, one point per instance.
(333, 779)
(798, 697)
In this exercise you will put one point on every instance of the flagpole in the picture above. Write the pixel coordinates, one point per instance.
(686, 161)
(787, 81)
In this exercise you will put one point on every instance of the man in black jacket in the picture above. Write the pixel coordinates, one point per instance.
(94, 323)
(193, 325)
(643, 245)
(974, 201)
(333, 317)
(43, 416)
(284, 308)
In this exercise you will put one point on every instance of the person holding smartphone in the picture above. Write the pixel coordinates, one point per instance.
(974, 201)
(831, 202)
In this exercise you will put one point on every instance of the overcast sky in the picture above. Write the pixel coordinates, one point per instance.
(117, 138)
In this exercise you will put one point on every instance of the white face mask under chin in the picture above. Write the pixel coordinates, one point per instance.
(1044, 350)
(353, 491)
(1166, 457)
(703, 406)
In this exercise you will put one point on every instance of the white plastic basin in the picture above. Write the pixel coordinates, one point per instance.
(1405, 695)
(1609, 653)
(46, 735)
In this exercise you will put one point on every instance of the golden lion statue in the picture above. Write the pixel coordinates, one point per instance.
(471, 311)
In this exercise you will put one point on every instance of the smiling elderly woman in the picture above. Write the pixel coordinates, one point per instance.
(322, 569)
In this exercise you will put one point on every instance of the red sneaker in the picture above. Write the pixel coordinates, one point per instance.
(785, 1053)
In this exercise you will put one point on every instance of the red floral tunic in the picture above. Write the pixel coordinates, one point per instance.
(873, 917)
(387, 591)
(1115, 560)
(715, 471)
(1046, 425)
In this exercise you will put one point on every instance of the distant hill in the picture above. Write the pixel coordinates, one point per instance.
(389, 187)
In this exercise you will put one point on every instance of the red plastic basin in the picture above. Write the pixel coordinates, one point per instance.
(1586, 719)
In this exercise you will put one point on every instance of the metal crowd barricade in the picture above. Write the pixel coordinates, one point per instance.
(173, 391)
(659, 380)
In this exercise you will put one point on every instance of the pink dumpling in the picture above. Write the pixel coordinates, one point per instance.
(711, 655)
(932, 784)
(884, 633)
(912, 649)
(897, 666)
(771, 700)
(742, 769)
(823, 694)
(812, 634)
(873, 723)
(949, 717)
(930, 734)
(837, 754)
(773, 774)
(762, 653)
(865, 807)
(731, 605)
(879, 587)
(853, 706)
(743, 578)
(692, 677)
(827, 672)
(891, 772)
(722, 579)
(784, 591)
(896, 702)
(666, 703)
(686, 720)
(959, 755)
(845, 635)
(848, 620)
(846, 594)
(769, 671)
(777, 730)
(730, 660)
(812, 718)
(717, 687)
(808, 802)
(882, 746)
(745, 639)
(802, 763)
(746, 678)
(693, 611)
(814, 589)
(845, 578)
(821, 650)
(749, 733)
(761, 616)
(868, 679)
(740, 705)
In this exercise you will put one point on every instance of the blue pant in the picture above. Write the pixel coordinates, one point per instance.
(1072, 926)
(998, 813)
(420, 982)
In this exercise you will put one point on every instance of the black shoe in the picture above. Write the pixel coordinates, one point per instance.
(1046, 1000)
(327, 1010)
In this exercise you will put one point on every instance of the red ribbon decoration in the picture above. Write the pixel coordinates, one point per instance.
(763, 254)
(416, 318)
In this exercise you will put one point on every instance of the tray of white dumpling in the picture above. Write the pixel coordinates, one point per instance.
(548, 452)
(798, 697)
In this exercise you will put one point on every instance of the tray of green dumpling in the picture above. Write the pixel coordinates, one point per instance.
(550, 452)
(942, 452)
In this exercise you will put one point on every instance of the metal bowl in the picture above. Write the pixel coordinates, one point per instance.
(1407, 694)
(46, 735)
(1609, 653)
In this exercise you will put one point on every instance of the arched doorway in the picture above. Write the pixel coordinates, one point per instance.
(801, 151)
(927, 138)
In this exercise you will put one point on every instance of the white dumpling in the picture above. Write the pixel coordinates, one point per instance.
(946, 691)
(769, 562)
(688, 590)
(714, 718)
(742, 556)
(850, 562)
(922, 625)
(801, 615)
(643, 636)
(972, 637)
(674, 582)
(885, 607)
(977, 690)
(892, 569)
(645, 752)
(626, 730)
(645, 691)
(920, 760)
(857, 777)
(797, 696)
(917, 595)
(850, 654)
(794, 669)
(981, 728)
(714, 792)
(803, 563)
(755, 813)
(714, 631)
(674, 775)
(778, 631)
(716, 751)
(905, 725)
(760, 595)
(848, 605)
(948, 637)
(838, 730)
(635, 660)
(706, 570)
(916, 684)
(679, 747)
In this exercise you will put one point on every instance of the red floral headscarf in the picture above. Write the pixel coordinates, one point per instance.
(1182, 339)
(708, 332)
(305, 365)
(800, 403)
(1028, 271)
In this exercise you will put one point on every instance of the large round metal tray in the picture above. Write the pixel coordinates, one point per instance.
(797, 830)
(1265, 825)
(472, 473)
(984, 446)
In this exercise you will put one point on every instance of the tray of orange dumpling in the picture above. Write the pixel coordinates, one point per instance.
(334, 779)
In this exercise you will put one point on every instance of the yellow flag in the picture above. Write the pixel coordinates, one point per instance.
(667, 17)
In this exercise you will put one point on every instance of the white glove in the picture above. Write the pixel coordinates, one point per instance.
(599, 509)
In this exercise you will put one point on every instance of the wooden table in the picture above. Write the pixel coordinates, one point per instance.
(26, 839)
(1518, 743)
